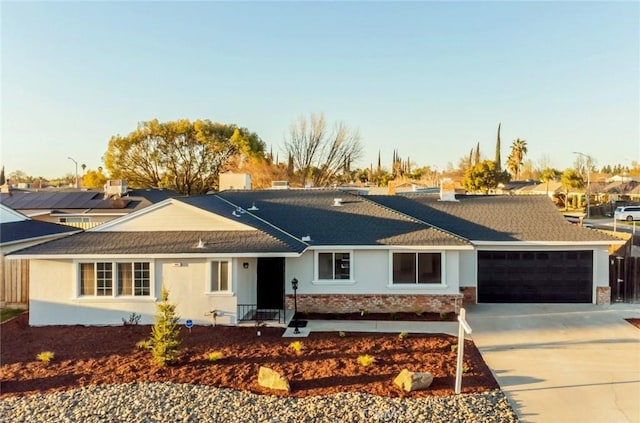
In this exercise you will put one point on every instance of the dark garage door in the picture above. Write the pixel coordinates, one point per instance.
(535, 276)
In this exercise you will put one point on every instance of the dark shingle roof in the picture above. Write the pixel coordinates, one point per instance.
(26, 200)
(29, 229)
(166, 242)
(357, 221)
(494, 218)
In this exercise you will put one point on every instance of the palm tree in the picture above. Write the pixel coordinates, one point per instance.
(518, 151)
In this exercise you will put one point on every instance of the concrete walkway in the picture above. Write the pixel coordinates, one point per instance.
(563, 363)
(382, 326)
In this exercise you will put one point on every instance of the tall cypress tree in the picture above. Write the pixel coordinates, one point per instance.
(498, 158)
(2, 178)
(477, 155)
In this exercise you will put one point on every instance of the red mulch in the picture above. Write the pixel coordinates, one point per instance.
(634, 322)
(107, 355)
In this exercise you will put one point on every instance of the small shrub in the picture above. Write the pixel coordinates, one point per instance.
(366, 360)
(454, 348)
(297, 347)
(215, 356)
(466, 369)
(402, 335)
(45, 356)
(164, 341)
(419, 312)
(143, 345)
(444, 315)
(394, 316)
(363, 311)
(133, 320)
(342, 334)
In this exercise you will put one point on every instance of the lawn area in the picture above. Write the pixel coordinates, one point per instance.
(8, 313)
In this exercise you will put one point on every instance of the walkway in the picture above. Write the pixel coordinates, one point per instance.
(563, 363)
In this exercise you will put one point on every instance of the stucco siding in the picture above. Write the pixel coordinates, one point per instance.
(186, 217)
(371, 275)
(468, 261)
(54, 299)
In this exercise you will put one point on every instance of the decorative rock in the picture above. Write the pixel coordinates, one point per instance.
(271, 379)
(413, 381)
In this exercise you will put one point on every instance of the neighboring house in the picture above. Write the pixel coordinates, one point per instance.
(235, 253)
(82, 209)
(17, 231)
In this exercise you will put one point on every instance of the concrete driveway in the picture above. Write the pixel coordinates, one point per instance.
(564, 362)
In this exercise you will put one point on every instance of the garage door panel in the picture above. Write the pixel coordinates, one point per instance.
(535, 276)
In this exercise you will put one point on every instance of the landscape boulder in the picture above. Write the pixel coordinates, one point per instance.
(269, 378)
(413, 381)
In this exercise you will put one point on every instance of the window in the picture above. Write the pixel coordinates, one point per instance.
(219, 276)
(129, 279)
(334, 266)
(417, 268)
(74, 219)
(134, 279)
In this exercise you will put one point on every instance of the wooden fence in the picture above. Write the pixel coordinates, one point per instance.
(14, 287)
(624, 279)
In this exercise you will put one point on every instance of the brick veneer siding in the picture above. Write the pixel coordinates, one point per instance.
(375, 303)
(603, 295)
(468, 294)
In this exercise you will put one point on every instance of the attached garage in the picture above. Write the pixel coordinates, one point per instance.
(535, 276)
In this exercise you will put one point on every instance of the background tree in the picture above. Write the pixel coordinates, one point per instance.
(3, 180)
(94, 179)
(484, 177)
(549, 174)
(180, 155)
(514, 162)
(571, 180)
(476, 156)
(319, 154)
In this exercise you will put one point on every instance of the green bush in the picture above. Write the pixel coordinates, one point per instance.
(45, 356)
(164, 343)
(366, 360)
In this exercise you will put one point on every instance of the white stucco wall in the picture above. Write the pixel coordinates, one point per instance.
(468, 261)
(52, 290)
(371, 275)
(54, 300)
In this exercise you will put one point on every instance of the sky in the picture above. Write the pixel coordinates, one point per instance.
(428, 79)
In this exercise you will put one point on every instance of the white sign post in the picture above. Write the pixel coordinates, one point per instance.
(462, 328)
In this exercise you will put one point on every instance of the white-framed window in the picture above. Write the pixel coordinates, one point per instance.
(334, 265)
(220, 276)
(109, 279)
(74, 220)
(416, 268)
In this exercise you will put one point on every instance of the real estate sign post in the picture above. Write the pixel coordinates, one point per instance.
(462, 328)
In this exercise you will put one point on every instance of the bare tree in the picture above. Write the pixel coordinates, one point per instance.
(320, 153)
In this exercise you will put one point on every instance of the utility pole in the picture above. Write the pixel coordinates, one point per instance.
(76, 163)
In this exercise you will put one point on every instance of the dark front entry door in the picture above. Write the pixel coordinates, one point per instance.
(270, 283)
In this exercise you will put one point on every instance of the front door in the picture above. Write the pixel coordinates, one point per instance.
(270, 283)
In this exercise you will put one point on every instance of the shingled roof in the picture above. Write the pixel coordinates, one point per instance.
(28, 229)
(160, 243)
(356, 221)
(494, 218)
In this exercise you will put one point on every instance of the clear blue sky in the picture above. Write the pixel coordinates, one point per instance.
(430, 79)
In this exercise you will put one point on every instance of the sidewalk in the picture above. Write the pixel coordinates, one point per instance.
(380, 326)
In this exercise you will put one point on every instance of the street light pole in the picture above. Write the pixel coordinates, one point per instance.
(76, 163)
(589, 160)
